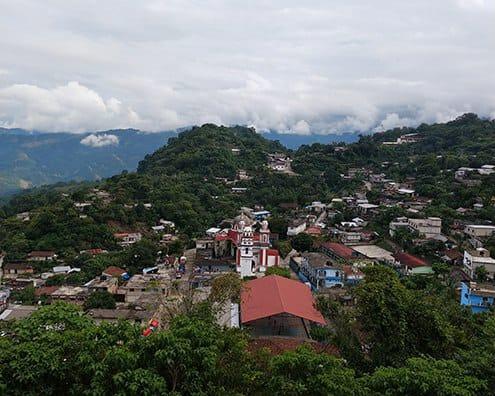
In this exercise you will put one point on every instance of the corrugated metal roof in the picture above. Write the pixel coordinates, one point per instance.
(273, 295)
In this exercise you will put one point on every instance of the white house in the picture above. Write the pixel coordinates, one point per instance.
(479, 231)
(430, 227)
(296, 227)
(127, 238)
(479, 257)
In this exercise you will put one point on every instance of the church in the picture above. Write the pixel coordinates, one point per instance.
(249, 249)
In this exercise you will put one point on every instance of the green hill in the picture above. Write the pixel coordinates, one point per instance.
(211, 150)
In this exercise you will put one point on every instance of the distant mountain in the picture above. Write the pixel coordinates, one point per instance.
(32, 158)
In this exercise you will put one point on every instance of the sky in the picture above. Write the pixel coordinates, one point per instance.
(303, 67)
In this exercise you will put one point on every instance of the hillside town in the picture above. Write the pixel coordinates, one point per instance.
(312, 251)
(326, 247)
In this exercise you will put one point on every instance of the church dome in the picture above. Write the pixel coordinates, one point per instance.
(242, 219)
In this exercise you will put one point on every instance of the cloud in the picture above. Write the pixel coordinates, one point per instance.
(393, 120)
(307, 68)
(476, 4)
(100, 140)
(71, 107)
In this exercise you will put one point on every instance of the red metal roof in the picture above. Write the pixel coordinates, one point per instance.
(339, 249)
(114, 271)
(273, 295)
(409, 260)
(313, 231)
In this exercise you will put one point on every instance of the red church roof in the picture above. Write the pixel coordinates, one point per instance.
(273, 295)
(409, 260)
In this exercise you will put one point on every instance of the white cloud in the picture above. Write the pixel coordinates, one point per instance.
(71, 107)
(314, 68)
(100, 140)
(477, 4)
(393, 120)
(301, 128)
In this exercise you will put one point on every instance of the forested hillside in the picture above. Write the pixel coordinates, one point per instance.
(403, 335)
(184, 181)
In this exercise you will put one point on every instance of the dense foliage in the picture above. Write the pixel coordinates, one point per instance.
(60, 351)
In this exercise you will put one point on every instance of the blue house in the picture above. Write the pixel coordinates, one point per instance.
(316, 269)
(479, 297)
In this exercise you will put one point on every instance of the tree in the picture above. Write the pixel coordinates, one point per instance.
(423, 376)
(226, 288)
(280, 271)
(441, 270)
(140, 255)
(26, 295)
(479, 358)
(401, 323)
(100, 299)
(278, 225)
(481, 273)
(302, 242)
(284, 248)
(56, 280)
(139, 382)
(303, 372)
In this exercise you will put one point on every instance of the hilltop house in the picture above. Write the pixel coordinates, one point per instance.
(404, 139)
(279, 162)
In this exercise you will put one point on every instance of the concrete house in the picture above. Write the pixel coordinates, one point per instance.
(479, 257)
(41, 255)
(126, 239)
(479, 231)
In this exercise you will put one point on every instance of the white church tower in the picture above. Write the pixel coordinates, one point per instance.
(246, 258)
